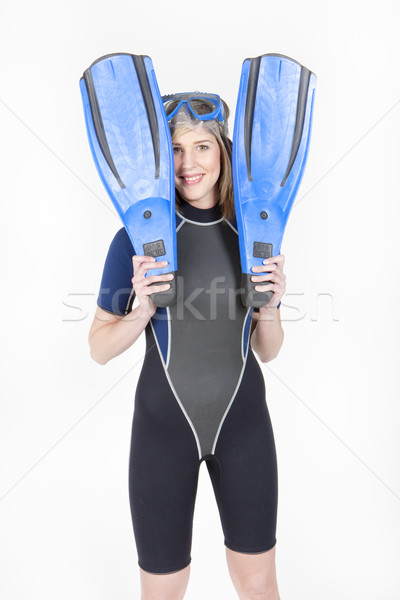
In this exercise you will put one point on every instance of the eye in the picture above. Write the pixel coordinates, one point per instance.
(202, 147)
(177, 149)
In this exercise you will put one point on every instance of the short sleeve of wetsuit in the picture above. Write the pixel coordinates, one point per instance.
(116, 293)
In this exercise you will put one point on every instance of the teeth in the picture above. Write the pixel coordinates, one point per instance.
(192, 178)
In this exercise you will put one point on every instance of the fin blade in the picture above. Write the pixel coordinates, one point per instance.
(131, 146)
(99, 125)
(270, 147)
(150, 109)
(249, 111)
(300, 118)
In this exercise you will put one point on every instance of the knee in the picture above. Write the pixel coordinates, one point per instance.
(254, 575)
(258, 588)
(167, 594)
(169, 586)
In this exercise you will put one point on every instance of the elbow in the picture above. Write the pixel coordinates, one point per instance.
(267, 354)
(96, 356)
(265, 358)
(100, 360)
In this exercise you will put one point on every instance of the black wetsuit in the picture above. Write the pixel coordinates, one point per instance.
(200, 396)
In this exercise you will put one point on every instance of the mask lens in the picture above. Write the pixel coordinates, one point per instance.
(170, 106)
(203, 106)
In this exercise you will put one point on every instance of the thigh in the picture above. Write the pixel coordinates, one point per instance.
(163, 475)
(244, 473)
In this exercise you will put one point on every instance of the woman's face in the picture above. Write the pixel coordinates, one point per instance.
(197, 167)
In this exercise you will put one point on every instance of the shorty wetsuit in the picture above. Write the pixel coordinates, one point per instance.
(200, 396)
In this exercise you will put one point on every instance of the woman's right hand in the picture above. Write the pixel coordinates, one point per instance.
(141, 283)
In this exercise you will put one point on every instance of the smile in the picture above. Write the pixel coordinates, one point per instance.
(192, 180)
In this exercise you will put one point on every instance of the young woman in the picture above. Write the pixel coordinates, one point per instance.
(201, 392)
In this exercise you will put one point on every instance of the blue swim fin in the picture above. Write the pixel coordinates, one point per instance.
(270, 145)
(131, 146)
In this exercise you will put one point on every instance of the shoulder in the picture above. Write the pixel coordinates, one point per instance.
(122, 239)
(121, 244)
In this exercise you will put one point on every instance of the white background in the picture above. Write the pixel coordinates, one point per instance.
(333, 392)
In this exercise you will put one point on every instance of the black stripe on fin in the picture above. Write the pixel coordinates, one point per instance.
(300, 116)
(138, 61)
(98, 125)
(249, 110)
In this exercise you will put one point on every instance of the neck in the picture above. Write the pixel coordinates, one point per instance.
(199, 213)
(202, 204)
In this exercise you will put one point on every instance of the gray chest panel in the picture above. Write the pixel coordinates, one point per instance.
(206, 327)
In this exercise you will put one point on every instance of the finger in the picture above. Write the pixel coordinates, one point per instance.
(269, 276)
(264, 277)
(276, 289)
(145, 267)
(264, 268)
(270, 287)
(138, 259)
(271, 264)
(148, 290)
(148, 261)
(141, 267)
(278, 259)
(157, 265)
(158, 278)
(275, 277)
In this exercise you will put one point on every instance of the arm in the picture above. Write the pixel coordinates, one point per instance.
(112, 334)
(266, 332)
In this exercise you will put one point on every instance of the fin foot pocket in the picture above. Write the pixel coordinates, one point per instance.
(252, 298)
(167, 298)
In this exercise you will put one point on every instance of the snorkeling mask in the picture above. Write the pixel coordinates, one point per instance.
(210, 108)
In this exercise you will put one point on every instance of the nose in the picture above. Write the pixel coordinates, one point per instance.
(188, 159)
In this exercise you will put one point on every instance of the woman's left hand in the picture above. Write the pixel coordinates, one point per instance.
(274, 280)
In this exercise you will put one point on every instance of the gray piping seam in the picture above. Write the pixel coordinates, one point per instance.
(236, 389)
(180, 225)
(176, 396)
(244, 325)
(129, 300)
(231, 226)
(200, 224)
(169, 337)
